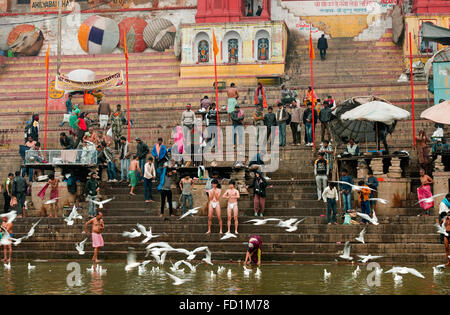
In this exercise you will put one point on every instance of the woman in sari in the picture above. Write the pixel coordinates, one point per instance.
(424, 191)
(423, 151)
(254, 251)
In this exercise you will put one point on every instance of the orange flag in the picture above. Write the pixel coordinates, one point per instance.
(125, 44)
(215, 47)
(47, 57)
(311, 48)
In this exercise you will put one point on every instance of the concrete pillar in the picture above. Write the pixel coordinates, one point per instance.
(362, 169)
(377, 166)
(395, 171)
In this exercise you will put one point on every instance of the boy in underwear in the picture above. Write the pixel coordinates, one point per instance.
(8, 227)
(214, 196)
(232, 194)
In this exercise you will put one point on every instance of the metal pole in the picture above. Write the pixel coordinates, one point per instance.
(58, 60)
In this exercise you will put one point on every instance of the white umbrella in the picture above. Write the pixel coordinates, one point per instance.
(439, 113)
(81, 75)
(376, 111)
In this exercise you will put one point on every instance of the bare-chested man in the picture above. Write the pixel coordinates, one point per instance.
(134, 168)
(446, 219)
(97, 228)
(214, 195)
(233, 95)
(8, 227)
(232, 194)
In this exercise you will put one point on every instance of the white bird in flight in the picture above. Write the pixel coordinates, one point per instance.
(6, 238)
(261, 221)
(397, 278)
(48, 202)
(373, 219)
(293, 228)
(80, 247)
(207, 259)
(176, 265)
(437, 270)
(190, 212)
(11, 215)
(30, 267)
(72, 216)
(405, 270)
(90, 269)
(160, 260)
(7, 266)
(258, 273)
(100, 203)
(227, 236)
(177, 281)
(366, 258)
(326, 274)
(132, 234)
(220, 269)
(383, 201)
(141, 268)
(356, 272)
(246, 271)
(131, 260)
(441, 229)
(346, 253)
(17, 241)
(32, 229)
(429, 199)
(360, 238)
(354, 187)
(287, 223)
(42, 178)
(148, 234)
(190, 266)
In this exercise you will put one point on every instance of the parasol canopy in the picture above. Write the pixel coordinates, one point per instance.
(439, 113)
(376, 111)
(81, 75)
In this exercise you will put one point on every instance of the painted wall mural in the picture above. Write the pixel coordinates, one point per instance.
(25, 40)
(133, 27)
(159, 34)
(98, 35)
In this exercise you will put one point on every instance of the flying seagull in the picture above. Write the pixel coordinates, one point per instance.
(190, 212)
(261, 221)
(72, 216)
(148, 234)
(80, 247)
(131, 260)
(177, 281)
(11, 215)
(132, 234)
(373, 219)
(227, 236)
(441, 229)
(292, 228)
(429, 199)
(346, 254)
(51, 201)
(405, 270)
(360, 238)
(365, 259)
(355, 187)
(100, 203)
(383, 201)
(30, 267)
(356, 272)
(326, 274)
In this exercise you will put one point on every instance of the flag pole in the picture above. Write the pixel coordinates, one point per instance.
(46, 96)
(216, 51)
(412, 91)
(128, 94)
(311, 52)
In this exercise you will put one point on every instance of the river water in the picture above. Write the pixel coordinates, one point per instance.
(57, 278)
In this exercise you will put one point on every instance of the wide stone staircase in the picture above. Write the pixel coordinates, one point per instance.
(156, 104)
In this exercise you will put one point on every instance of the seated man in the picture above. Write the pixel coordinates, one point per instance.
(286, 95)
(352, 148)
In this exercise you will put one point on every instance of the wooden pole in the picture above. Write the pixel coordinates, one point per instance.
(412, 90)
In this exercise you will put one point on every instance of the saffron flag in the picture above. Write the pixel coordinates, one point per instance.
(215, 47)
(311, 48)
(47, 57)
(125, 44)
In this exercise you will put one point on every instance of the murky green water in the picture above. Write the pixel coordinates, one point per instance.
(51, 278)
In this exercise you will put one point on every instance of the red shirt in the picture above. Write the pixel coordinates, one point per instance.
(82, 124)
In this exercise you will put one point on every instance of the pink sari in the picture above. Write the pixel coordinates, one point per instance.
(422, 193)
(179, 139)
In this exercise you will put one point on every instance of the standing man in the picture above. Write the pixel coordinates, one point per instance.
(134, 168)
(258, 121)
(270, 120)
(116, 126)
(308, 122)
(7, 193)
(259, 98)
(296, 121)
(233, 95)
(321, 173)
(104, 111)
(97, 228)
(322, 45)
(68, 108)
(19, 188)
(186, 193)
(346, 189)
(8, 227)
(91, 189)
(325, 117)
(166, 190)
(237, 118)
(142, 151)
(111, 167)
(212, 126)
(159, 153)
(149, 175)
(282, 117)
(187, 122)
(124, 159)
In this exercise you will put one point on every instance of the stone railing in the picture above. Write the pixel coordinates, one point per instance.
(61, 157)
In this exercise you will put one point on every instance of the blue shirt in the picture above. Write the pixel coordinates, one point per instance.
(372, 182)
(347, 179)
(69, 105)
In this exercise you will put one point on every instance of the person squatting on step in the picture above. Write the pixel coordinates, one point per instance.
(321, 172)
(254, 252)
